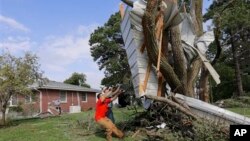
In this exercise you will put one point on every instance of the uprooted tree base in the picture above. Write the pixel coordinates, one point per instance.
(162, 122)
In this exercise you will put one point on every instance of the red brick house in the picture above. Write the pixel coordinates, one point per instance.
(73, 98)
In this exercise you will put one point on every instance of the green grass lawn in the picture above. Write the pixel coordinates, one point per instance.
(68, 127)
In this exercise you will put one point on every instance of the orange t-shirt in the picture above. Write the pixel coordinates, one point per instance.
(101, 108)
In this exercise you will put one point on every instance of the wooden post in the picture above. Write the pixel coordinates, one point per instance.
(160, 81)
(147, 76)
(159, 32)
(122, 11)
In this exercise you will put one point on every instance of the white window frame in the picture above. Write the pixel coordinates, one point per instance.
(31, 99)
(11, 101)
(63, 101)
(84, 93)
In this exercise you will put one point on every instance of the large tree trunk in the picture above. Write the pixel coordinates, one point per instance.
(204, 85)
(4, 105)
(237, 67)
(152, 47)
(178, 55)
(194, 68)
(128, 2)
(204, 80)
(3, 116)
(192, 76)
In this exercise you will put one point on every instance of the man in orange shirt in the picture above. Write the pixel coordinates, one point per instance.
(101, 110)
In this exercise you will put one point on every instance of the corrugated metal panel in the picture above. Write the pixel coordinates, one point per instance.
(125, 26)
(212, 112)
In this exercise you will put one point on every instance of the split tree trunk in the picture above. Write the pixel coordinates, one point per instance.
(166, 69)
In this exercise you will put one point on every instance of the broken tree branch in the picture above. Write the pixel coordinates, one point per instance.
(172, 104)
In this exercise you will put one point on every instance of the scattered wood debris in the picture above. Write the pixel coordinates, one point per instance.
(164, 122)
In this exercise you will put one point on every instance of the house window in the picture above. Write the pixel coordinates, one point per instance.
(84, 97)
(63, 96)
(13, 100)
(29, 98)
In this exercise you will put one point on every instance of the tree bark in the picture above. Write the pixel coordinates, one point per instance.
(178, 55)
(204, 85)
(3, 116)
(166, 69)
(192, 73)
(204, 80)
(194, 68)
(237, 66)
(199, 17)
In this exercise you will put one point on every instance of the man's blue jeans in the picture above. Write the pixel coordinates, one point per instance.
(110, 114)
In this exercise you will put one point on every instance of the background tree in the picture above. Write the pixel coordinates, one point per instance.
(16, 74)
(107, 50)
(234, 25)
(78, 79)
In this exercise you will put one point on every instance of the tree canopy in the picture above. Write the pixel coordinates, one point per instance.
(78, 79)
(232, 19)
(106, 49)
(16, 74)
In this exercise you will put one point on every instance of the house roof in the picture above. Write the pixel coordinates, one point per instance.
(63, 86)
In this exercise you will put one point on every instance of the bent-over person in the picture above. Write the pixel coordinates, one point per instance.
(101, 111)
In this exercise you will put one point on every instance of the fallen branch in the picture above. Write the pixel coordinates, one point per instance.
(172, 104)
(182, 103)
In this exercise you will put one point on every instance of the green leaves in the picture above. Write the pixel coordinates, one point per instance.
(16, 74)
(231, 17)
(106, 43)
(78, 79)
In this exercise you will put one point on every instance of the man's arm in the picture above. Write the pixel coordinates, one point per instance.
(107, 92)
(111, 93)
(117, 94)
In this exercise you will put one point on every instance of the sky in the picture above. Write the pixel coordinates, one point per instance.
(57, 31)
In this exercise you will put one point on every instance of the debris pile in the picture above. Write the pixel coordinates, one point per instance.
(163, 122)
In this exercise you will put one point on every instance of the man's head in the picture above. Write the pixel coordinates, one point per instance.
(105, 89)
(99, 95)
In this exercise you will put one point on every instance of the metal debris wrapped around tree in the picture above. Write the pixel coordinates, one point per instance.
(144, 76)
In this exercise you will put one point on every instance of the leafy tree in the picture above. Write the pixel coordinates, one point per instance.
(225, 89)
(16, 74)
(233, 18)
(106, 49)
(78, 79)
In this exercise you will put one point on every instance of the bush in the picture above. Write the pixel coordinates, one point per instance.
(17, 109)
(242, 102)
